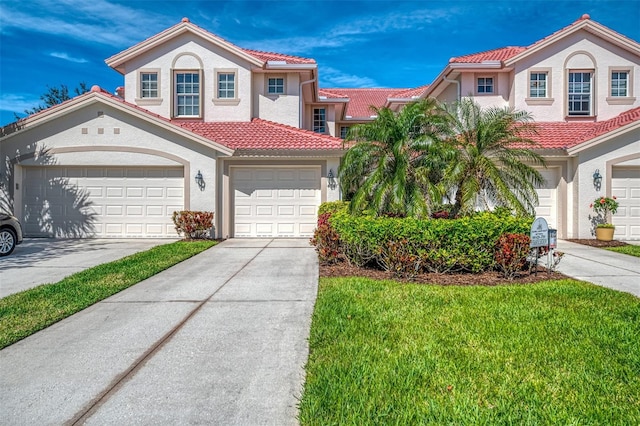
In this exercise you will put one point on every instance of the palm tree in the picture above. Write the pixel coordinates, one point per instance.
(395, 165)
(494, 161)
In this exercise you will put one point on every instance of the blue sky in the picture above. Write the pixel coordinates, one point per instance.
(356, 43)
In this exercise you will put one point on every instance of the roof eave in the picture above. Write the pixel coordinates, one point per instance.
(603, 138)
(94, 97)
(278, 66)
(587, 25)
(116, 61)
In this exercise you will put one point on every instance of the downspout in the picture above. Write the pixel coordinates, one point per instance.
(456, 82)
(301, 105)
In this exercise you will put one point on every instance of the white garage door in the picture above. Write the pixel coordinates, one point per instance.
(275, 202)
(625, 185)
(112, 202)
(548, 197)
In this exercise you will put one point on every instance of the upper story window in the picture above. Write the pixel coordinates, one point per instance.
(319, 120)
(580, 93)
(344, 130)
(187, 93)
(619, 83)
(538, 85)
(485, 85)
(226, 85)
(275, 86)
(148, 84)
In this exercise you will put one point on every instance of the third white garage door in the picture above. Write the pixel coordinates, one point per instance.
(625, 185)
(275, 202)
(548, 197)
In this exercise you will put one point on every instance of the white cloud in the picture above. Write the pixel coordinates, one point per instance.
(96, 21)
(66, 57)
(17, 103)
(331, 77)
(350, 32)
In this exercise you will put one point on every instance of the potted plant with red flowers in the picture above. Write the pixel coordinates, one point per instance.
(605, 207)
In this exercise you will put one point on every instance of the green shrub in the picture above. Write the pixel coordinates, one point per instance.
(332, 207)
(193, 225)
(457, 245)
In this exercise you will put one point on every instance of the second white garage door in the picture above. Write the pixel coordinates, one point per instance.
(275, 202)
(113, 202)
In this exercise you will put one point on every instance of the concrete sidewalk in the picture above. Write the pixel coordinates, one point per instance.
(218, 339)
(602, 267)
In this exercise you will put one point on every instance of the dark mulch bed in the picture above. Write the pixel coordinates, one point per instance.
(343, 269)
(597, 243)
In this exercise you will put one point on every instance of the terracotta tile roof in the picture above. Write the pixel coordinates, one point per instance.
(410, 93)
(501, 54)
(261, 134)
(328, 94)
(562, 135)
(361, 100)
(271, 56)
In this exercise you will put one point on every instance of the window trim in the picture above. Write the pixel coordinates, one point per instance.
(313, 119)
(621, 100)
(174, 107)
(139, 100)
(225, 101)
(284, 85)
(547, 100)
(493, 77)
(592, 94)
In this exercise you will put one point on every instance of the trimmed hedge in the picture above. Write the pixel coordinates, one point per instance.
(407, 246)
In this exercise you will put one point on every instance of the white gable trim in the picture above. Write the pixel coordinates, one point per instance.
(117, 61)
(91, 98)
(603, 138)
(587, 25)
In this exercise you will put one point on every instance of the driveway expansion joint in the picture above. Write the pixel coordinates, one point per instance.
(89, 409)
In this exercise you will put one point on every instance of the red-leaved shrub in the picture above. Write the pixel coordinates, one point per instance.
(193, 225)
(326, 240)
(511, 254)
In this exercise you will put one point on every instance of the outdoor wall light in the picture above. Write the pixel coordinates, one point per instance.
(200, 181)
(331, 180)
(597, 180)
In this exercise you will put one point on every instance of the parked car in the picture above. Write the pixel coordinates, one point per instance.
(10, 234)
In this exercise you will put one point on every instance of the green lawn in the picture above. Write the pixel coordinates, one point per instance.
(632, 250)
(557, 352)
(24, 313)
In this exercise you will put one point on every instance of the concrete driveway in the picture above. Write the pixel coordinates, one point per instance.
(220, 338)
(48, 260)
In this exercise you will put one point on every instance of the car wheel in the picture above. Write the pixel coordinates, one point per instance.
(7, 241)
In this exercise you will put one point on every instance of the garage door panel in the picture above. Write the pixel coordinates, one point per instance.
(307, 228)
(286, 229)
(263, 229)
(286, 210)
(286, 193)
(264, 210)
(112, 201)
(275, 202)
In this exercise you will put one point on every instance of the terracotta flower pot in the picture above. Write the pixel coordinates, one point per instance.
(604, 234)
